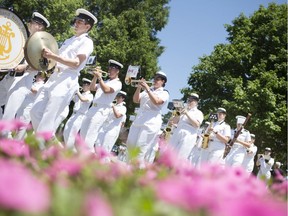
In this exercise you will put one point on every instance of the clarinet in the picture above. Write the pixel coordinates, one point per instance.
(231, 142)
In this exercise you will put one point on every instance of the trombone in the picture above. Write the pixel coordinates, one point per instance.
(91, 69)
(134, 82)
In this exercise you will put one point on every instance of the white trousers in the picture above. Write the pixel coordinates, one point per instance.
(108, 137)
(145, 138)
(183, 141)
(71, 129)
(49, 105)
(92, 123)
(236, 156)
(5, 84)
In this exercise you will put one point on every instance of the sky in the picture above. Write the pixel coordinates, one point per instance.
(194, 27)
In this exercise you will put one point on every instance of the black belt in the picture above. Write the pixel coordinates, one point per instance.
(15, 74)
(11, 73)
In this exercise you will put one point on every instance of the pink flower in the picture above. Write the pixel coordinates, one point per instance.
(20, 190)
(52, 152)
(102, 154)
(11, 125)
(14, 148)
(72, 167)
(167, 157)
(251, 206)
(95, 205)
(47, 135)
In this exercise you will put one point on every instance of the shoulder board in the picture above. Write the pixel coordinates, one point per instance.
(166, 90)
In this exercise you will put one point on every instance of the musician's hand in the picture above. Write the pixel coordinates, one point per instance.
(20, 68)
(210, 129)
(144, 84)
(97, 74)
(47, 53)
(34, 90)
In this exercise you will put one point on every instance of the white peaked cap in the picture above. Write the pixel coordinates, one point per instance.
(240, 119)
(40, 18)
(123, 93)
(116, 63)
(84, 14)
(220, 109)
(86, 80)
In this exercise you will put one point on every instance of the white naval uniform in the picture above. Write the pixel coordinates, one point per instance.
(7, 83)
(185, 135)
(248, 162)
(196, 150)
(98, 112)
(265, 168)
(237, 153)
(111, 128)
(24, 111)
(58, 91)
(214, 152)
(17, 94)
(74, 123)
(147, 124)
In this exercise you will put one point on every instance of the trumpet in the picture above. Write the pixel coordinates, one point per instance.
(91, 69)
(134, 82)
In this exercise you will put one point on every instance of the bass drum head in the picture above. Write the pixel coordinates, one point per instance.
(13, 35)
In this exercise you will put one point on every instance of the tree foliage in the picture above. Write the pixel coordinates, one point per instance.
(249, 75)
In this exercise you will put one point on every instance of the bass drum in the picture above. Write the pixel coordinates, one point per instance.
(13, 35)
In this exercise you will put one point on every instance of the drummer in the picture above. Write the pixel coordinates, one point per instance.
(63, 83)
(16, 85)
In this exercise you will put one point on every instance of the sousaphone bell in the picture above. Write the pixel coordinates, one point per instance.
(34, 47)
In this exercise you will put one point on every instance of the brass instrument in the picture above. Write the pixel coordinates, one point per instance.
(90, 69)
(168, 129)
(134, 82)
(206, 137)
(205, 142)
(33, 51)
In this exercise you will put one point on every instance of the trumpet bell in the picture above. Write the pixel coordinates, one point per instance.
(33, 50)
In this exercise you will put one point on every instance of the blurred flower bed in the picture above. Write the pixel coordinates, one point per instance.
(57, 182)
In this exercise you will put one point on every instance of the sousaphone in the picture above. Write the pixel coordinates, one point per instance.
(34, 47)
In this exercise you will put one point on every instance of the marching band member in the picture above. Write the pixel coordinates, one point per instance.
(184, 136)
(16, 85)
(248, 162)
(111, 128)
(58, 91)
(106, 92)
(24, 111)
(220, 133)
(147, 124)
(265, 163)
(238, 151)
(82, 102)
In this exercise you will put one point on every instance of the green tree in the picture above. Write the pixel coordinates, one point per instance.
(249, 75)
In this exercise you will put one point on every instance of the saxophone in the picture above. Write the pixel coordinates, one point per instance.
(206, 137)
(168, 129)
(205, 142)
